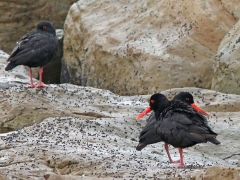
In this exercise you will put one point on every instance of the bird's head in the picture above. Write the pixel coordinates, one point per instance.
(157, 102)
(47, 27)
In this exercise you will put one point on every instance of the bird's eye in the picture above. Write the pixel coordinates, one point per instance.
(187, 99)
(152, 101)
(44, 27)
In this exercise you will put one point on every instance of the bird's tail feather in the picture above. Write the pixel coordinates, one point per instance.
(144, 142)
(140, 146)
(214, 140)
(10, 66)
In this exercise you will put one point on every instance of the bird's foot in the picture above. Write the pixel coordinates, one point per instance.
(175, 164)
(32, 85)
(40, 84)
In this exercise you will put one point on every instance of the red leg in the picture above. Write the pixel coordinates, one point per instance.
(168, 154)
(31, 85)
(40, 83)
(181, 157)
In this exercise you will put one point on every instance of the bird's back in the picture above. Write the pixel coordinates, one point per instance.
(182, 126)
(34, 49)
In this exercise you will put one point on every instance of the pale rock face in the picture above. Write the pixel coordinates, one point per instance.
(137, 47)
(74, 132)
(219, 172)
(19, 74)
(226, 76)
(232, 6)
(101, 141)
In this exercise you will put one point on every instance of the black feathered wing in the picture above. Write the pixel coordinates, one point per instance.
(182, 126)
(33, 50)
(149, 133)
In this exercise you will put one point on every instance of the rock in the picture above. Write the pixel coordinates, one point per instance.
(232, 7)
(62, 177)
(227, 63)
(18, 75)
(105, 148)
(142, 47)
(219, 172)
(73, 132)
(70, 100)
(3, 177)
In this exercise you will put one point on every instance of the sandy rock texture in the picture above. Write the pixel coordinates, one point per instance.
(232, 7)
(219, 172)
(73, 132)
(138, 47)
(104, 147)
(226, 76)
(17, 18)
(19, 74)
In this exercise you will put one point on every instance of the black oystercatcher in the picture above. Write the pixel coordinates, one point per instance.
(35, 49)
(175, 123)
(149, 136)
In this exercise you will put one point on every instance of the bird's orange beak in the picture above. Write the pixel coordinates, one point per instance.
(147, 110)
(194, 106)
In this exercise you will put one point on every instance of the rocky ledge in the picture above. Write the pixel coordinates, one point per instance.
(73, 132)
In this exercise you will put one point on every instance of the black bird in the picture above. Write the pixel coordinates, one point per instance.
(35, 49)
(149, 134)
(175, 122)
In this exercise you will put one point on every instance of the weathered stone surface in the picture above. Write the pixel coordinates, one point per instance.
(19, 74)
(105, 147)
(3, 177)
(141, 47)
(17, 100)
(17, 18)
(232, 7)
(219, 172)
(79, 132)
(227, 65)
(53, 176)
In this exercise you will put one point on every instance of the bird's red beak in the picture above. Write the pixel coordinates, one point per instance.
(194, 106)
(147, 110)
